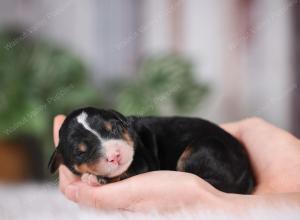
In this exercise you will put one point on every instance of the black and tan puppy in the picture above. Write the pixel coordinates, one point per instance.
(105, 146)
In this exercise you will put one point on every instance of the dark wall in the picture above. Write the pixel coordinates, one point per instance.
(296, 66)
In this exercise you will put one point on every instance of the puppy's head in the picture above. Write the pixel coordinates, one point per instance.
(94, 141)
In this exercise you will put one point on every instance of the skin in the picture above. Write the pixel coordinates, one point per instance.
(274, 154)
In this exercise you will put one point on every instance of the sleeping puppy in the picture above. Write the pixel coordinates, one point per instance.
(104, 146)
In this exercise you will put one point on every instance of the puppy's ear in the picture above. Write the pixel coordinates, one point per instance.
(55, 160)
(149, 141)
(119, 116)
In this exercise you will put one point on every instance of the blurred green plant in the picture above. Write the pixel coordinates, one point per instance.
(165, 82)
(38, 81)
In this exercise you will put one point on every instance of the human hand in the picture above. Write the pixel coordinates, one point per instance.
(169, 190)
(274, 155)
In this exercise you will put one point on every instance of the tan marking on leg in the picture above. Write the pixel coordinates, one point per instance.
(185, 154)
(124, 176)
(119, 178)
(115, 179)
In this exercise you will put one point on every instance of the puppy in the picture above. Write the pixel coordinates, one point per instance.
(104, 146)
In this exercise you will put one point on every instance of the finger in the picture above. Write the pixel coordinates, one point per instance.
(58, 120)
(82, 194)
(66, 178)
(111, 196)
(234, 128)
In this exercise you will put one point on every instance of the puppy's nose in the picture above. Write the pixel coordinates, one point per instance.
(113, 157)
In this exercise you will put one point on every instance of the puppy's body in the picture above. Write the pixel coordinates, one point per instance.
(152, 143)
(196, 146)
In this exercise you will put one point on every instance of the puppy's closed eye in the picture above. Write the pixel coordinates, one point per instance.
(80, 151)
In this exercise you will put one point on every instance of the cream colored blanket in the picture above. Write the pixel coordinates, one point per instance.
(43, 202)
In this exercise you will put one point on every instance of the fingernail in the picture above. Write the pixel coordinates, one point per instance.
(72, 192)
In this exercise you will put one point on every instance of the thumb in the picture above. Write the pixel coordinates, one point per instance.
(58, 121)
(82, 194)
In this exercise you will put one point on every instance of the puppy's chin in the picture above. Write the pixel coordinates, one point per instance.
(120, 169)
(102, 168)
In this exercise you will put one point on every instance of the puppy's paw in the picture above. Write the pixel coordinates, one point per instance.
(90, 179)
(102, 180)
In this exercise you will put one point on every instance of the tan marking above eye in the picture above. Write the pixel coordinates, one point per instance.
(82, 147)
(108, 126)
(126, 137)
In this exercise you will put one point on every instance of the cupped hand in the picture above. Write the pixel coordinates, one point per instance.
(274, 154)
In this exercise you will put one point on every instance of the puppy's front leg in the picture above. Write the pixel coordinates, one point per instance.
(99, 180)
(102, 180)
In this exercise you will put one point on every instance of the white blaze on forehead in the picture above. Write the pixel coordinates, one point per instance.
(81, 119)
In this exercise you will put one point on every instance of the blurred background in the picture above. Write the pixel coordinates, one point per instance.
(220, 60)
